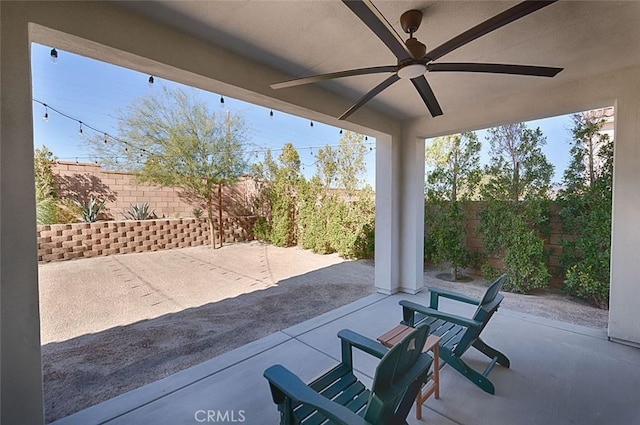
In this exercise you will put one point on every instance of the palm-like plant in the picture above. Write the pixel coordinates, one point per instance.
(90, 210)
(138, 212)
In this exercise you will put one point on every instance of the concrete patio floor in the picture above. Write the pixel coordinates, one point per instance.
(560, 374)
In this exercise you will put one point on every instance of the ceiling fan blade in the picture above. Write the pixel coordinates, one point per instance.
(427, 95)
(516, 12)
(494, 68)
(371, 16)
(332, 75)
(367, 97)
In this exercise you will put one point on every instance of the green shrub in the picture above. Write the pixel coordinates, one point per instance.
(511, 230)
(446, 237)
(197, 212)
(581, 281)
(261, 229)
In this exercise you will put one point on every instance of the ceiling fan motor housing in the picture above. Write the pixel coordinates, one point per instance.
(410, 21)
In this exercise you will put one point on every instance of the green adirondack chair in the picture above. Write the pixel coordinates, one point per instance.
(338, 396)
(459, 333)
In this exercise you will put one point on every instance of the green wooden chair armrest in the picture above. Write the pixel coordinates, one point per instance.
(284, 383)
(409, 308)
(451, 295)
(362, 343)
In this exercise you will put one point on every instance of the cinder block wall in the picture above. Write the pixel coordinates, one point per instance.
(84, 240)
(121, 190)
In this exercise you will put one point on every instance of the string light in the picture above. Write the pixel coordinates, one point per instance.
(366, 138)
(45, 117)
(54, 55)
(221, 100)
(83, 124)
(142, 151)
(311, 123)
(150, 81)
(271, 113)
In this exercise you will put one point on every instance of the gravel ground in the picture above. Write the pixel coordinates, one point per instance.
(549, 303)
(113, 324)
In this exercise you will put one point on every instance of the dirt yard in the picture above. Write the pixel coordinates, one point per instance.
(112, 324)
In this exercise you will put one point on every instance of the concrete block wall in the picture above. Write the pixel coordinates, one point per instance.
(121, 190)
(84, 240)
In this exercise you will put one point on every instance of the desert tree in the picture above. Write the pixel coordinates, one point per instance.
(454, 173)
(173, 138)
(517, 195)
(585, 210)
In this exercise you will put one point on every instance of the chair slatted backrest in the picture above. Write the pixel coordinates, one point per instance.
(397, 380)
(488, 306)
(490, 301)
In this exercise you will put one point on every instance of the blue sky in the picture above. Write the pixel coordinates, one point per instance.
(92, 92)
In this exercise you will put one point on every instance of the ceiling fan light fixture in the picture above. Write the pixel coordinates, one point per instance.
(413, 70)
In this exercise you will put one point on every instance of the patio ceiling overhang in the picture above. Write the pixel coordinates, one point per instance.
(238, 48)
(586, 38)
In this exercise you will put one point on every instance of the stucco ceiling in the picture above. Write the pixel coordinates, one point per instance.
(302, 38)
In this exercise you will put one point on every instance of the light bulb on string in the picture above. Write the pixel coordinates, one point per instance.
(105, 138)
(80, 129)
(54, 55)
(150, 81)
(340, 131)
(310, 123)
(77, 160)
(271, 113)
(45, 117)
(366, 138)
(221, 100)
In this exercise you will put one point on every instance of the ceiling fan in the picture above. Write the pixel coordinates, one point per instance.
(414, 60)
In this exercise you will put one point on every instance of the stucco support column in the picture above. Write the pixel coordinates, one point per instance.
(399, 214)
(411, 214)
(387, 253)
(624, 313)
(21, 387)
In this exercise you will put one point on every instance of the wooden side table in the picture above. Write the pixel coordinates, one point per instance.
(395, 335)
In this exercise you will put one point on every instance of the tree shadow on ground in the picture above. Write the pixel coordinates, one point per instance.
(92, 368)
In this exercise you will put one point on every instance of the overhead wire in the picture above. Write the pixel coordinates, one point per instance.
(84, 124)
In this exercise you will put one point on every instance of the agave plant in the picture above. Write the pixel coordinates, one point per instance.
(90, 210)
(139, 212)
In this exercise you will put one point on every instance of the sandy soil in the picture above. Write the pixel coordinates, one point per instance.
(113, 324)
